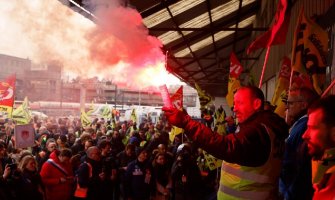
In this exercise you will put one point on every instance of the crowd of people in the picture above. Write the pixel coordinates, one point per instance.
(263, 155)
(107, 159)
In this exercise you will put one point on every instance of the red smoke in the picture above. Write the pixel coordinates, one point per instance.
(118, 47)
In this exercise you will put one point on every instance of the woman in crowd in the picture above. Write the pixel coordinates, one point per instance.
(29, 185)
(162, 172)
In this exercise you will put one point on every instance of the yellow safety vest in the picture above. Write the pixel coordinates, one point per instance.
(241, 182)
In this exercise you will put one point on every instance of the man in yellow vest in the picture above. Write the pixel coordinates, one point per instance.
(252, 155)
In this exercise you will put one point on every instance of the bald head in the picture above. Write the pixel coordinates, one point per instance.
(93, 153)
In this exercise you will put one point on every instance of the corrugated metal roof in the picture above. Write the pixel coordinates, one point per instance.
(199, 35)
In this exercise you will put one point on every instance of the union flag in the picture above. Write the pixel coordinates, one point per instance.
(7, 90)
(177, 98)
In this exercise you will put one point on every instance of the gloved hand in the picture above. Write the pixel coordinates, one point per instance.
(175, 116)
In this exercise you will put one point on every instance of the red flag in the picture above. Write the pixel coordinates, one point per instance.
(234, 81)
(277, 33)
(7, 89)
(177, 98)
(235, 66)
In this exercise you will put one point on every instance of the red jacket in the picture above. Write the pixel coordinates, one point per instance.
(55, 190)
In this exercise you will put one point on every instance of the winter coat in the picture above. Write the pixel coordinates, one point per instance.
(55, 189)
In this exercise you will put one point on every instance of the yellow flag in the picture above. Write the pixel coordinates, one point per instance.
(84, 118)
(106, 112)
(211, 161)
(133, 115)
(220, 117)
(233, 85)
(175, 131)
(281, 105)
(204, 98)
(91, 109)
(309, 50)
(22, 115)
(282, 85)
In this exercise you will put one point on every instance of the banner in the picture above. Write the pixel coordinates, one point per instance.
(233, 82)
(24, 136)
(309, 51)
(204, 98)
(7, 91)
(277, 33)
(177, 98)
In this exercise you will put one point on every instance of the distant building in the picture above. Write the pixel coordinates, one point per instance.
(44, 83)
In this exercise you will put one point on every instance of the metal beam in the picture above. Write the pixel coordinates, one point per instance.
(215, 29)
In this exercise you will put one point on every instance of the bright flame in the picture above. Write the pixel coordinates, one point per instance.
(118, 47)
(156, 75)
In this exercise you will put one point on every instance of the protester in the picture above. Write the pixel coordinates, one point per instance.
(139, 178)
(252, 155)
(79, 145)
(29, 185)
(186, 176)
(109, 167)
(5, 172)
(295, 178)
(320, 137)
(90, 176)
(162, 172)
(124, 158)
(57, 175)
(44, 154)
(162, 148)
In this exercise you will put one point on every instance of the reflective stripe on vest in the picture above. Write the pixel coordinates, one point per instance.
(245, 174)
(238, 194)
(242, 182)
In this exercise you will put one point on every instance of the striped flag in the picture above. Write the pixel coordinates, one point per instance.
(7, 91)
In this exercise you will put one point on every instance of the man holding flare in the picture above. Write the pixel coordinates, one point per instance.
(252, 155)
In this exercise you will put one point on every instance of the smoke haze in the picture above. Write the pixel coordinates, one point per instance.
(117, 47)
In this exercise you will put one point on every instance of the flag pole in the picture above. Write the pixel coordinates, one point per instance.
(264, 65)
(328, 89)
(289, 89)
